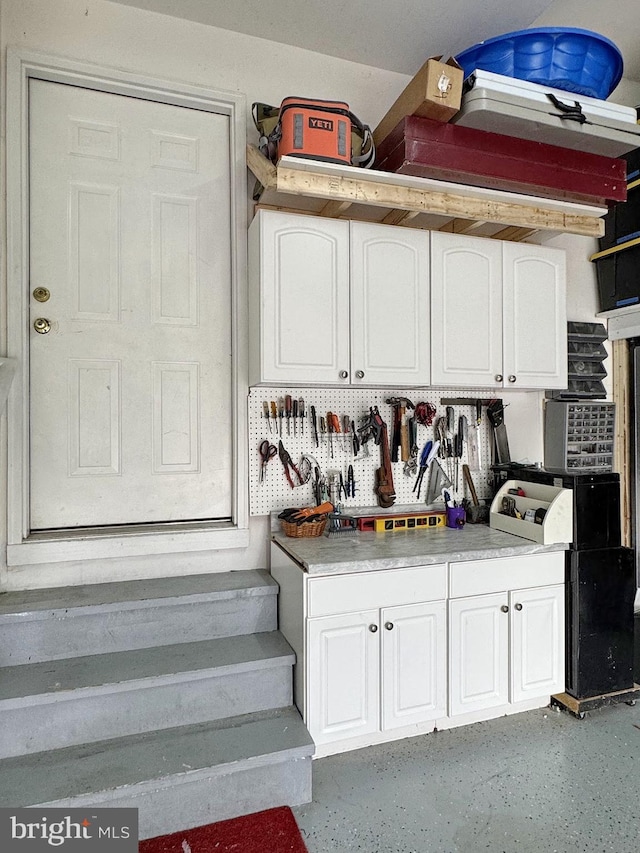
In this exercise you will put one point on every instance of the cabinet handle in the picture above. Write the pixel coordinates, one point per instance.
(505, 608)
(359, 374)
(388, 626)
(344, 374)
(373, 628)
(498, 377)
(512, 378)
(518, 606)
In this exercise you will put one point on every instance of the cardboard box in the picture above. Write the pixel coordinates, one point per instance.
(435, 92)
(449, 152)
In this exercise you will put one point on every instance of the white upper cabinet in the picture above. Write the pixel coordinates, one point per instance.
(389, 305)
(466, 304)
(334, 302)
(299, 298)
(535, 316)
(498, 313)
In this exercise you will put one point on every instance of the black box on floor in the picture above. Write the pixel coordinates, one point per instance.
(600, 590)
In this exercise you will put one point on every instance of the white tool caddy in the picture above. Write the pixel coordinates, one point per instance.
(557, 503)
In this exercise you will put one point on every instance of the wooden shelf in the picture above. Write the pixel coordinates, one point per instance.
(335, 191)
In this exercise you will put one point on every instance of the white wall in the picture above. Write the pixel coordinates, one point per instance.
(130, 39)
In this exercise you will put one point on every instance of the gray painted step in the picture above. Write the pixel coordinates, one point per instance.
(58, 703)
(48, 624)
(178, 778)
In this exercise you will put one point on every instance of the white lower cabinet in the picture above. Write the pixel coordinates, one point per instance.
(505, 648)
(391, 653)
(376, 670)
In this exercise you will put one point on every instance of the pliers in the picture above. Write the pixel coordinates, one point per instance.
(286, 460)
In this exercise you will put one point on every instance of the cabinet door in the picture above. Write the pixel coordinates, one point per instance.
(466, 311)
(389, 305)
(413, 664)
(478, 653)
(537, 642)
(343, 676)
(304, 298)
(535, 317)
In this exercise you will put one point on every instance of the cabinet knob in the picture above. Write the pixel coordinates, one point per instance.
(388, 626)
(344, 374)
(505, 608)
(359, 374)
(518, 606)
(373, 628)
(498, 377)
(512, 378)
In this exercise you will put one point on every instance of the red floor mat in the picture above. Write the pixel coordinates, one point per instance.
(270, 831)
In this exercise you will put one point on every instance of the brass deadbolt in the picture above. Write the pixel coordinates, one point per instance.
(41, 294)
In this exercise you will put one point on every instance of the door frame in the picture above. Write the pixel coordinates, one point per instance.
(24, 548)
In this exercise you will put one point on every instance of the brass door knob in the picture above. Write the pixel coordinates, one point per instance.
(42, 326)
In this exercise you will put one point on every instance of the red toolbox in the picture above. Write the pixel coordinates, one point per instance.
(449, 152)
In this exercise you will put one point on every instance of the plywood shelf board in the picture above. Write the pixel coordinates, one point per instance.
(345, 190)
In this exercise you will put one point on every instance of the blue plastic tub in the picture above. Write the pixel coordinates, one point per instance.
(578, 61)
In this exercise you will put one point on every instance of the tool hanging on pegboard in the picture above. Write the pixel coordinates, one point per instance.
(355, 465)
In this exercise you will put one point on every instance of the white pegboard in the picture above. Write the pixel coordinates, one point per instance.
(274, 492)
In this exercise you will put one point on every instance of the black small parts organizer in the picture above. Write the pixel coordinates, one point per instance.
(586, 353)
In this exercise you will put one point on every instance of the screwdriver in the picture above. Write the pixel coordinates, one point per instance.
(314, 425)
(287, 406)
(265, 409)
(301, 413)
(274, 416)
(295, 415)
(280, 413)
(345, 432)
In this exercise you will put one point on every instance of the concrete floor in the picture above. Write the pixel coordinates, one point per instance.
(530, 783)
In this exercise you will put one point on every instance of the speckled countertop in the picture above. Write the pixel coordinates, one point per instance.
(365, 552)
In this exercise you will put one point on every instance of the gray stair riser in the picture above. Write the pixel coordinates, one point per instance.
(86, 631)
(185, 802)
(73, 717)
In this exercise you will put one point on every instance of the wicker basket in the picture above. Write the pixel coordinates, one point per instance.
(306, 529)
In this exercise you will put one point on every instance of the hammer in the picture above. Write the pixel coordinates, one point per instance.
(401, 435)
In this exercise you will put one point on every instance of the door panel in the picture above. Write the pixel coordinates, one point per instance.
(131, 388)
(305, 298)
(478, 653)
(535, 353)
(537, 642)
(344, 661)
(389, 305)
(413, 664)
(466, 310)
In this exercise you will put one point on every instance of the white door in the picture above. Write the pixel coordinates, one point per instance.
(414, 672)
(131, 387)
(304, 269)
(466, 311)
(390, 328)
(537, 642)
(535, 317)
(478, 653)
(344, 673)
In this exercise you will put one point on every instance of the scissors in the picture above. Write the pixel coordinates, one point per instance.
(267, 451)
